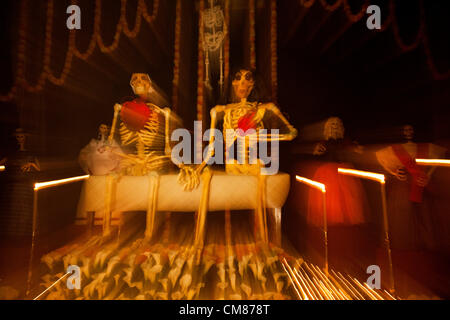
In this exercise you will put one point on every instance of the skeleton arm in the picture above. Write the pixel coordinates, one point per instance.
(167, 149)
(170, 117)
(119, 152)
(190, 177)
(117, 108)
(431, 171)
(32, 164)
(292, 132)
(36, 164)
(214, 112)
(185, 172)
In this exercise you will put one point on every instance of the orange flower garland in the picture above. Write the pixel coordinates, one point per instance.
(200, 79)
(273, 47)
(176, 61)
(252, 37)
(227, 41)
(96, 40)
(421, 37)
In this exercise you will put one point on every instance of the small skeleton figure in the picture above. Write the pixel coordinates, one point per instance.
(399, 160)
(100, 156)
(335, 146)
(148, 127)
(16, 194)
(333, 130)
(346, 200)
(408, 194)
(22, 160)
(244, 113)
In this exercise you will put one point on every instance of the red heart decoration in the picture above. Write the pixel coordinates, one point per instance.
(247, 122)
(135, 114)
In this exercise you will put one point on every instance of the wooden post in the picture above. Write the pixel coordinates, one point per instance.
(33, 241)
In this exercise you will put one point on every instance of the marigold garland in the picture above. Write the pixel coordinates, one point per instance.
(421, 37)
(227, 41)
(72, 50)
(273, 48)
(176, 60)
(252, 36)
(200, 71)
(142, 12)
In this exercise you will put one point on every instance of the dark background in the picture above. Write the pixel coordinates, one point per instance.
(362, 76)
(327, 66)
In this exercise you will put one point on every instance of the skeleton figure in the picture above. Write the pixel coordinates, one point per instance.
(409, 199)
(241, 114)
(213, 19)
(147, 127)
(214, 31)
(144, 125)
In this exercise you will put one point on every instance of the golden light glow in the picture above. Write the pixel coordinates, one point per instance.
(311, 283)
(295, 283)
(312, 183)
(48, 184)
(52, 286)
(363, 174)
(434, 162)
(2, 168)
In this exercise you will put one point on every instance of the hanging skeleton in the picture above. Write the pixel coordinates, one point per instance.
(215, 29)
(242, 115)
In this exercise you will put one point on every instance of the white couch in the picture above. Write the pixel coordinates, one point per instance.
(233, 192)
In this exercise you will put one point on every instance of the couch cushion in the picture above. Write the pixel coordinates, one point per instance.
(235, 192)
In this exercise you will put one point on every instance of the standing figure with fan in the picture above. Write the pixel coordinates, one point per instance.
(410, 194)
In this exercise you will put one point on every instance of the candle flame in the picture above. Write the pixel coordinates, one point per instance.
(312, 183)
(434, 162)
(363, 174)
(48, 184)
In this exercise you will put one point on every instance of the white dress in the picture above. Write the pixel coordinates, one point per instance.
(98, 159)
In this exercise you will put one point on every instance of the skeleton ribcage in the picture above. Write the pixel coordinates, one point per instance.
(151, 136)
(231, 121)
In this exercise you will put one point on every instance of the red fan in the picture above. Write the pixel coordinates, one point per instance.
(247, 122)
(135, 114)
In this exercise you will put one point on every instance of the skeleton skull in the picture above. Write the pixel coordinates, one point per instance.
(141, 84)
(408, 132)
(334, 129)
(103, 130)
(243, 83)
(20, 136)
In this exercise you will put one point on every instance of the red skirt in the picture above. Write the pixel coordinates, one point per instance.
(345, 197)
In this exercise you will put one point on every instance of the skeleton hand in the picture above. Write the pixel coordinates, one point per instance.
(319, 149)
(117, 107)
(358, 148)
(102, 149)
(107, 148)
(422, 180)
(27, 167)
(189, 177)
(401, 174)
